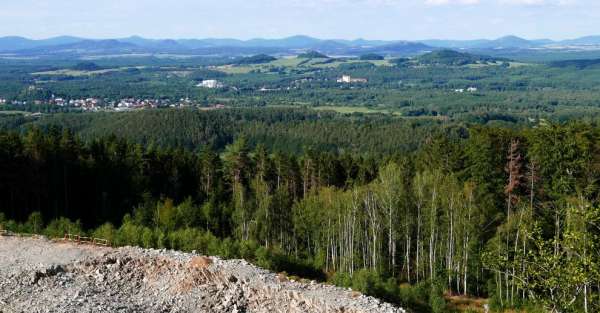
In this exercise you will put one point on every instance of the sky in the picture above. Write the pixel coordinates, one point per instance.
(339, 19)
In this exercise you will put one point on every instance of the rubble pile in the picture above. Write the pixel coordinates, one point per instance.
(38, 275)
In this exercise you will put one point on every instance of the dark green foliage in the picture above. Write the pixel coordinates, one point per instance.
(204, 74)
(86, 66)
(255, 59)
(451, 57)
(278, 129)
(400, 61)
(356, 66)
(578, 64)
(371, 57)
(312, 55)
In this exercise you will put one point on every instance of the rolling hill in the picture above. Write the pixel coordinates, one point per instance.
(451, 57)
(73, 46)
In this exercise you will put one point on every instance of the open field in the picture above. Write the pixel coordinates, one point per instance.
(79, 73)
(14, 112)
(350, 110)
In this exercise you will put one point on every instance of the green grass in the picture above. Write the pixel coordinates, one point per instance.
(231, 69)
(14, 112)
(76, 73)
(286, 62)
(353, 109)
(518, 64)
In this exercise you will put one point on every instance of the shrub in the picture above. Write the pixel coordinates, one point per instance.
(59, 227)
(148, 238)
(436, 297)
(129, 234)
(105, 231)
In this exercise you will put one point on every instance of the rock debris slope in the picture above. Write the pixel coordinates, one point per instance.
(38, 275)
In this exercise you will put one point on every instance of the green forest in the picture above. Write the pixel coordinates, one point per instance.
(505, 90)
(441, 182)
(508, 214)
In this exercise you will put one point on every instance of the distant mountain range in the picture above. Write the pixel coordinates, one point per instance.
(512, 42)
(74, 46)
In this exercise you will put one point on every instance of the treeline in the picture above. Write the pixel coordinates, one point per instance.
(506, 214)
(279, 129)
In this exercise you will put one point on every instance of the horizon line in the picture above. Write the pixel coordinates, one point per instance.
(287, 37)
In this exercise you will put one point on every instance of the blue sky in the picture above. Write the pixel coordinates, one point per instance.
(244, 19)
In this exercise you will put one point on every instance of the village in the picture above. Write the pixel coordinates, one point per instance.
(126, 104)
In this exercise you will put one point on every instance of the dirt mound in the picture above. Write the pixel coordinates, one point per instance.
(38, 275)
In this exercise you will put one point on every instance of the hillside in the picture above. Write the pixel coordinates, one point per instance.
(400, 48)
(579, 64)
(255, 59)
(312, 55)
(451, 57)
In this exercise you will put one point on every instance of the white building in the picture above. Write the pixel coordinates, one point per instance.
(210, 83)
(347, 79)
(344, 79)
(462, 90)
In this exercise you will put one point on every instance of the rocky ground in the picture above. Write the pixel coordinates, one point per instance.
(38, 275)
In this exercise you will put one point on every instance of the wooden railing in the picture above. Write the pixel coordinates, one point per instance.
(68, 237)
(86, 240)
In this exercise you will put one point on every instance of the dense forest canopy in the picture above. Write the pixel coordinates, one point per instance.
(502, 213)
(279, 129)
(451, 57)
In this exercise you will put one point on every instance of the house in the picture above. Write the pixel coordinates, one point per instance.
(210, 83)
(2, 101)
(347, 79)
(462, 90)
(59, 101)
(263, 89)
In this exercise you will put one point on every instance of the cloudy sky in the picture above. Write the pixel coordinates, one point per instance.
(372, 19)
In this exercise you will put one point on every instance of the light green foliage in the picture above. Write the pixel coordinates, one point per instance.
(106, 231)
(436, 298)
(129, 233)
(148, 238)
(59, 227)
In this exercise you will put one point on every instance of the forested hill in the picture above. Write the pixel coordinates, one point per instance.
(288, 130)
(451, 57)
(507, 214)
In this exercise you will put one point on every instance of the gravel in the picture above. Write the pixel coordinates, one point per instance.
(39, 275)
